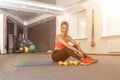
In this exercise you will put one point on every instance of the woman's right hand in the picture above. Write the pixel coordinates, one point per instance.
(80, 53)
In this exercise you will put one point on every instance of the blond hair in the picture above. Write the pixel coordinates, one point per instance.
(64, 23)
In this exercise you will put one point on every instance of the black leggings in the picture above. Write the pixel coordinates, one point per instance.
(65, 53)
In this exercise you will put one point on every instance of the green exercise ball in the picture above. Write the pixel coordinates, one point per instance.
(32, 48)
(21, 44)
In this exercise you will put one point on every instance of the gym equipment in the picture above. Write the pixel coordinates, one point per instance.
(26, 49)
(49, 51)
(28, 42)
(21, 49)
(21, 44)
(24, 41)
(32, 48)
(20, 39)
(63, 63)
(74, 63)
(25, 64)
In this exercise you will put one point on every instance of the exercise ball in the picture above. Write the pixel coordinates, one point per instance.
(28, 42)
(32, 48)
(24, 41)
(21, 49)
(20, 39)
(22, 44)
(26, 49)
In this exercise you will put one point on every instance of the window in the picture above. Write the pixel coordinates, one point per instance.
(82, 25)
(111, 18)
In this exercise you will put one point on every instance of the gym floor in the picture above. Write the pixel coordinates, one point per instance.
(107, 68)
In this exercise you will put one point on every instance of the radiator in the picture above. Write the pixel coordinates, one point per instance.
(113, 45)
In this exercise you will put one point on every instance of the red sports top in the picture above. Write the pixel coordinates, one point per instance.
(59, 45)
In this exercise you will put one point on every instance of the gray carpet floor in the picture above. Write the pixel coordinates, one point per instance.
(107, 68)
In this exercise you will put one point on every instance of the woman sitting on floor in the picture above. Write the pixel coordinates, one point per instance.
(63, 50)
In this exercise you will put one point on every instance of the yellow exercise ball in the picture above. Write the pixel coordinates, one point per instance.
(26, 49)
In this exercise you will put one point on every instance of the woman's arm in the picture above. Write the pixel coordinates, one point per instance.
(59, 39)
(75, 43)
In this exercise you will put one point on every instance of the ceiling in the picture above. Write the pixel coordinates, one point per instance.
(24, 15)
(28, 12)
(45, 1)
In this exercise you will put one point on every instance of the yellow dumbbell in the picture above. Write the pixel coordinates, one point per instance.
(63, 63)
(73, 62)
(49, 51)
